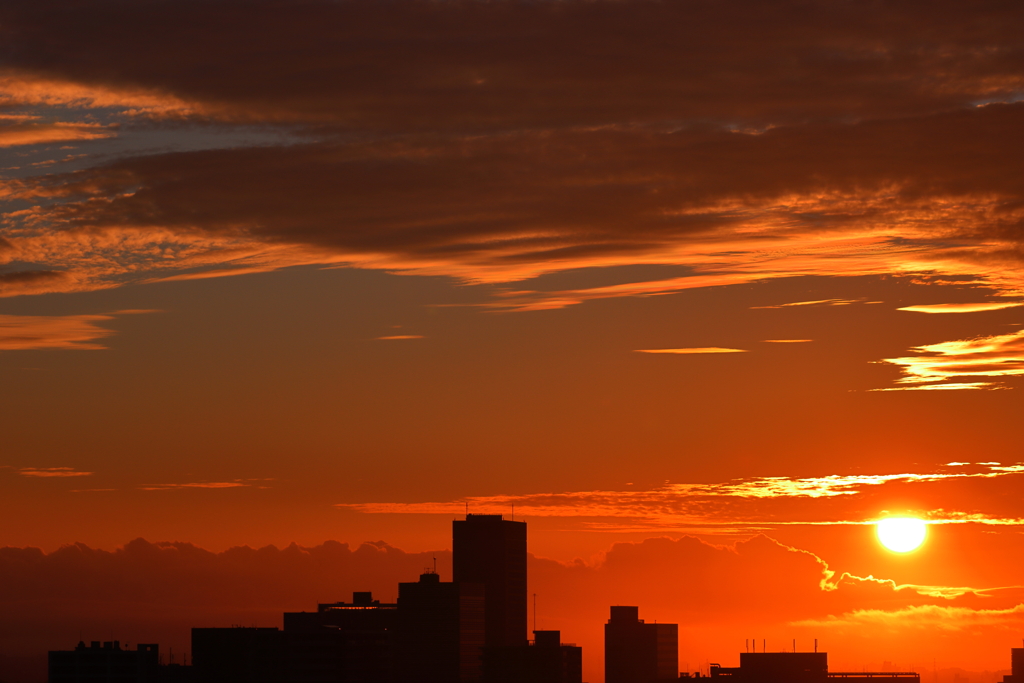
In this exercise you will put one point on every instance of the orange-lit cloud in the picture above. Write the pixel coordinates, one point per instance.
(705, 349)
(20, 88)
(727, 505)
(401, 336)
(194, 219)
(960, 308)
(22, 332)
(786, 341)
(926, 618)
(233, 484)
(19, 332)
(34, 133)
(901, 173)
(53, 472)
(983, 357)
(820, 302)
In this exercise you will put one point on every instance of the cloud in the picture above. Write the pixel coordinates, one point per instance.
(465, 66)
(818, 302)
(786, 341)
(925, 617)
(19, 332)
(550, 202)
(993, 357)
(401, 336)
(52, 472)
(961, 308)
(32, 282)
(750, 503)
(22, 332)
(706, 349)
(233, 484)
(34, 133)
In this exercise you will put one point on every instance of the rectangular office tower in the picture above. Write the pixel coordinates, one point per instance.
(440, 633)
(635, 652)
(489, 550)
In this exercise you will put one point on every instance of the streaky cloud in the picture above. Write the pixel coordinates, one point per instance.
(53, 472)
(961, 308)
(700, 349)
(947, 366)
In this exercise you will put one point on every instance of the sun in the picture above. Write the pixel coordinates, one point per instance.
(901, 534)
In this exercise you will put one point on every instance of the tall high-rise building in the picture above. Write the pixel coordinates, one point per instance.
(635, 652)
(490, 550)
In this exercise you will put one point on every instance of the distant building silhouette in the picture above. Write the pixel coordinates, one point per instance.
(1016, 674)
(546, 660)
(238, 655)
(440, 631)
(471, 630)
(635, 652)
(489, 550)
(800, 667)
(349, 641)
(108, 663)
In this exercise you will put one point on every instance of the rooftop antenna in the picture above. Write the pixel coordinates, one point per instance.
(435, 565)
(815, 644)
(535, 613)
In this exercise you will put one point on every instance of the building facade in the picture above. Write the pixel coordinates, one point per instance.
(637, 652)
(490, 550)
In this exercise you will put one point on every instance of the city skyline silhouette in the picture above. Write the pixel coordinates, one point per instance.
(724, 299)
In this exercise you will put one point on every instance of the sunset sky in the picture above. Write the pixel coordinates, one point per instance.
(702, 288)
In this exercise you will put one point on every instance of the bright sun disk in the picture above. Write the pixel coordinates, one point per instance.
(901, 534)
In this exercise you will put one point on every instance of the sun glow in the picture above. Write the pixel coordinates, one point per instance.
(901, 534)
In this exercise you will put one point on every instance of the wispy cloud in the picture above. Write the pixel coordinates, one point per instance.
(53, 472)
(401, 336)
(961, 308)
(701, 349)
(233, 484)
(33, 133)
(81, 332)
(786, 341)
(925, 617)
(817, 302)
(708, 505)
(937, 367)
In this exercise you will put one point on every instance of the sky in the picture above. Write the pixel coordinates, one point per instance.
(702, 290)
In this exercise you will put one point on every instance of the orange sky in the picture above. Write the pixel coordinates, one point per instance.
(702, 289)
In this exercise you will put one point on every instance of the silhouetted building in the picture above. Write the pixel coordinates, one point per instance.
(489, 550)
(108, 663)
(545, 660)
(435, 633)
(340, 642)
(635, 652)
(801, 667)
(362, 614)
(1016, 674)
(766, 667)
(343, 641)
(238, 655)
(440, 630)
